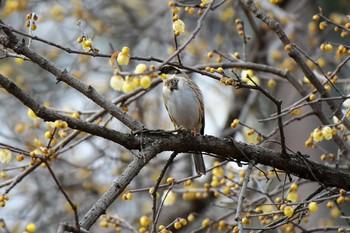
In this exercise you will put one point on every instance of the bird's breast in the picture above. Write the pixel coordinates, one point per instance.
(183, 107)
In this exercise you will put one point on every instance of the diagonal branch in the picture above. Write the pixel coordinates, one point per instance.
(63, 75)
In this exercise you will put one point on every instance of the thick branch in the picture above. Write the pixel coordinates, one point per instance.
(152, 143)
(63, 75)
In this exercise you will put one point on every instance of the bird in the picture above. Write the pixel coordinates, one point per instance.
(183, 101)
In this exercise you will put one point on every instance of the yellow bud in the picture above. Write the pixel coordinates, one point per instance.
(288, 211)
(177, 225)
(313, 206)
(335, 212)
(170, 180)
(245, 221)
(145, 221)
(271, 83)
(316, 18)
(322, 25)
(178, 26)
(327, 132)
(191, 217)
(205, 222)
(220, 70)
(31, 228)
(125, 50)
(145, 81)
(288, 47)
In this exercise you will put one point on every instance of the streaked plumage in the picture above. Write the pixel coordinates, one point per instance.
(184, 103)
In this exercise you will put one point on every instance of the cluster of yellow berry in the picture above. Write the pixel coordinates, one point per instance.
(129, 83)
(109, 221)
(239, 27)
(249, 77)
(178, 25)
(86, 44)
(3, 200)
(31, 19)
(343, 30)
(319, 134)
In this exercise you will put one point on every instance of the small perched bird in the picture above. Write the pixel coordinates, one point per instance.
(184, 102)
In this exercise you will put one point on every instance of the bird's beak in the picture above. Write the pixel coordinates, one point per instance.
(163, 76)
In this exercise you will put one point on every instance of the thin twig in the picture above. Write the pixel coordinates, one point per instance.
(154, 193)
(242, 196)
(72, 205)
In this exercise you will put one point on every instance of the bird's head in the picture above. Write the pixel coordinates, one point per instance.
(168, 70)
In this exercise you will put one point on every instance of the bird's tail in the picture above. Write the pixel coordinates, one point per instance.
(199, 163)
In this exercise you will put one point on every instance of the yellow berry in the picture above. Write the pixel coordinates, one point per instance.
(104, 224)
(292, 196)
(48, 134)
(210, 54)
(20, 157)
(188, 182)
(245, 221)
(191, 217)
(117, 82)
(288, 211)
(335, 212)
(3, 174)
(250, 132)
(177, 225)
(322, 25)
(145, 221)
(278, 200)
(220, 70)
(316, 18)
(227, 190)
(31, 114)
(205, 222)
(128, 86)
(340, 199)
(125, 50)
(271, 83)
(20, 127)
(312, 97)
(288, 47)
(295, 112)
(342, 192)
(76, 115)
(343, 34)
(323, 157)
(129, 196)
(123, 58)
(170, 180)
(34, 27)
(328, 47)
(327, 132)
(313, 206)
(31, 228)
(145, 81)
(80, 39)
(183, 221)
